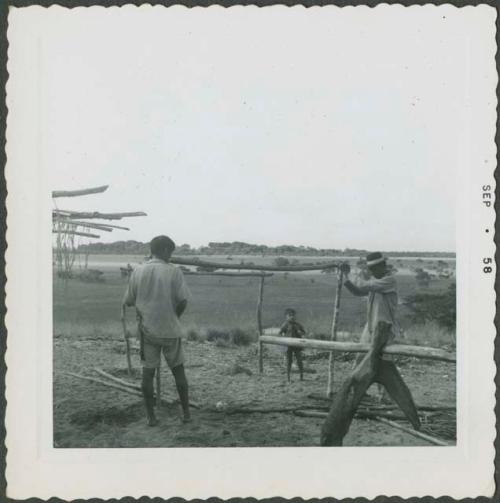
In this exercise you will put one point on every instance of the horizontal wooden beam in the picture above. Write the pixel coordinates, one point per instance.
(79, 223)
(96, 214)
(230, 274)
(76, 193)
(76, 233)
(250, 267)
(91, 224)
(358, 347)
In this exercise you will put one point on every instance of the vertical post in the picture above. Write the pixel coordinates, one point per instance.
(259, 323)
(333, 335)
(158, 387)
(127, 341)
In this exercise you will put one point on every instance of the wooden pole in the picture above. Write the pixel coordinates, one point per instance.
(377, 417)
(415, 433)
(96, 214)
(87, 225)
(118, 380)
(127, 342)
(81, 223)
(126, 389)
(253, 267)
(76, 193)
(359, 347)
(333, 335)
(158, 387)
(259, 323)
(229, 274)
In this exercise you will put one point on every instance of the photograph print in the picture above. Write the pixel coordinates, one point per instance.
(265, 228)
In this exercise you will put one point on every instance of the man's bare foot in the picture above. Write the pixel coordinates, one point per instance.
(152, 421)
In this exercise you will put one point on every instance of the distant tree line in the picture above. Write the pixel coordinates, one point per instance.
(132, 247)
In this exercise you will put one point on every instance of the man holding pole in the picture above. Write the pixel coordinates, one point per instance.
(159, 293)
(382, 298)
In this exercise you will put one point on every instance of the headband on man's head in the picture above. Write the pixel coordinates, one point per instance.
(374, 259)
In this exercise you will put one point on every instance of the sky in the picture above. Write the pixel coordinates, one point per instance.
(327, 127)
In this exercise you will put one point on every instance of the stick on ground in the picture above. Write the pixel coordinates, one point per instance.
(118, 380)
(105, 383)
(415, 433)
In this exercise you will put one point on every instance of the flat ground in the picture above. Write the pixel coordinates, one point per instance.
(87, 334)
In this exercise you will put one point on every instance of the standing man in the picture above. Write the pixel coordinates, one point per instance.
(159, 293)
(382, 298)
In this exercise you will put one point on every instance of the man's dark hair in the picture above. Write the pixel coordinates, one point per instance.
(290, 311)
(160, 245)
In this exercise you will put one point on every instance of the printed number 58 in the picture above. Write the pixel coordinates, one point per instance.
(487, 268)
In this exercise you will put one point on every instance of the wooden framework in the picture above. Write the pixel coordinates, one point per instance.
(68, 224)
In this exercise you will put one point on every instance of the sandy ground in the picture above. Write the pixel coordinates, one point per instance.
(90, 415)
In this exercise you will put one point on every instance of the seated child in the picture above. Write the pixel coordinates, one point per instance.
(292, 328)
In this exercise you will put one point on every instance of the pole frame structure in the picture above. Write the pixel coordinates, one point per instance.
(260, 301)
(333, 334)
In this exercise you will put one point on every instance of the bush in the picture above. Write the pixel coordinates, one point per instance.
(215, 334)
(438, 307)
(234, 337)
(193, 335)
(281, 261)
(241, 338)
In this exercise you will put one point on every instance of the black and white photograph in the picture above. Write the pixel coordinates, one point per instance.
(253, 228)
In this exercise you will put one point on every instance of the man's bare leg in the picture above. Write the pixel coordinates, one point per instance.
(183, 391)
(289, 356)
(148, 393)
(300, 364)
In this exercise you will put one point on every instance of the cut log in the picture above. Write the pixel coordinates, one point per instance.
(76, 193)
(358, 347)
